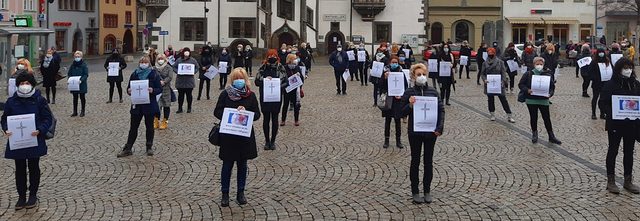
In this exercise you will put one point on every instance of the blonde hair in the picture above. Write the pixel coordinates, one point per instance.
(238, 73)
(291, 58)
(551, 46)
(416, 67)
(145, 59)
(26, 63)
(78, 53)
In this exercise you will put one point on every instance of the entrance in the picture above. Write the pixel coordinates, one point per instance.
(77, 41)
(127, 44)
(333, 40)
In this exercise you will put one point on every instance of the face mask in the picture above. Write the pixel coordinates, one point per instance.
(49, 55)
(272, 60)
(224, 52)
(25, 89)
(601, 54)
(283, 51)
(294, 52)
(292, 66)
(297, 61)
(529, 46)
(549, 52)
(77, 59)
(247, 49)
(402, 58)
(495, 45)
(433, 51)
(239, 49)
(144, 65)
(170, 49)
(187, 53)
(395, 66)
(161, 62)
(421, 80)
(339, 49)
(446, 50)
(238, 83)
(20, 67)
(539, 67)
(627, 72)
(492, 56)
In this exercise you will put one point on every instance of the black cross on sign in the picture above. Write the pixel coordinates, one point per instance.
(425, 109)
(395, 80)
(539, 82)
(139, 90)
(21, 128)
(271, 86)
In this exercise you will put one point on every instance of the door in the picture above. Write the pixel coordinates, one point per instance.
(127, 43)
(333, 40)
(436, 33)
(77, 41)
(91, 49)
(285, 38)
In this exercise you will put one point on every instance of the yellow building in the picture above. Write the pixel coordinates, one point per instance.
(459, 20)
(117, 24)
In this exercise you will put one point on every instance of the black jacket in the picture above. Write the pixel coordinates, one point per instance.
(274, 71)
(123, 65)
(550, 61)
(234, 147)
(479, 57)
(407, 110)
(238, 59)
(594, 74)
(396, 105)
(525, 84)
(619, 86)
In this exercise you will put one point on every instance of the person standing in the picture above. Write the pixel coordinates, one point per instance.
(166, 74)
(115, 81)
(498, 50)
(395, 113)
(527, 57)
(600, 72)
(224, 57)
(584, 71)
(271, 68)
(495, 66)
(248, 59)
(465, 50)
(282, 54)
(146, 111)
(363, 65)
(541, 103)
(623, 82)
(480, 60)
(152, 56)
(446, 81)
(79, 68)
(340, 62)
(236, 149)
(353, 62)
(185, 83)
(27, 100)
(382, 55)
(433, 73)
(511, 55)
(49, 68)
(291, 97)
(206, 60)
(550, 58)
(238, 57)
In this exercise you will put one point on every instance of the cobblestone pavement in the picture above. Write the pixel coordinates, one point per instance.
(331, 167)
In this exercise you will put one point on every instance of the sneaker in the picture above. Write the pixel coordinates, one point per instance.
(417, 199)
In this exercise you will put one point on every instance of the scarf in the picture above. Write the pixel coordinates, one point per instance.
(143, 74)
(236, 94)
(27, 95)
(46, 62)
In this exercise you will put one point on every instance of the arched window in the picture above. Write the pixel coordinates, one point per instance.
(462, 31)
(109, 43)
(436, 32)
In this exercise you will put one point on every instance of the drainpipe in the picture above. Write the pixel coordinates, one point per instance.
(219, 45)
(351, 20)
(257, 25)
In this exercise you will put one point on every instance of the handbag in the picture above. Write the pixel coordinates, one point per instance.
(214, 135)
(59, 76)
(522, 96)
(384, 102)
(173, 96)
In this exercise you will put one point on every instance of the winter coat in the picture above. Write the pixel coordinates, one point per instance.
(584, 71)
(238, 59)
(166, 74)
(123, 65)
(205, 62)
(283, 57)
(234, 147)
(396, 105)
(248, 58)
(407, 110)
(550, 61)
(619, 86)
(511, 54)
(495, 66)
(339, 61)
(528, 60)
(225, 58)
(479, 57)
(594, 74)
(49, 73)
(79, 69)
(186, 81)
(152, 107)
(525, 84)
(274, 71)
(36, 104)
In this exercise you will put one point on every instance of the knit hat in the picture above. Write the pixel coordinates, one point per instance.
(23, 75)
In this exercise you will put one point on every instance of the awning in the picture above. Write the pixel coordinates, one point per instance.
(542, 20)
(560, 21)
(4, 31)
(525, 20)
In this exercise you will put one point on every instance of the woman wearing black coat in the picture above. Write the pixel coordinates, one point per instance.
(238, 57)
(395, 112)
(584, 71)
(115, 81)
(550, 58)
(382, 55)
(465, 50)
(206, 60)
(271, 68)
(480, 60)
(236, 149)
(447, 81)
(292, 97)
(224, 57)
(49, 67)
(511, 55)
(248, 59)
(599, 79)
(418, 139)
(623, 82)
(362, 66)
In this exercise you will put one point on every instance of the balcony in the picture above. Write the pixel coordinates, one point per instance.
(368, 9)
(155, 8)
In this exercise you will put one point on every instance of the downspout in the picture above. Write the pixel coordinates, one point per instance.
(219, 45)
(257, 25)
(351, 20)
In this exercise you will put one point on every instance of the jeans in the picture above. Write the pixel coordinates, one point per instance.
(166, 111)
(387, 127)
(628, 139)
(182, 92)
(225, 177)
(533, 115)
(291, 98)
(270, 119)
(339, 79)
(111, 86)
(463, 67)
(83, 102)
(416, 143)
(202, 82)
(21, 176)
(503, 100)
(594, 101)
(135, 124)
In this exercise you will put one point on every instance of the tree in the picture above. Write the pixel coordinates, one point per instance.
(632, 6)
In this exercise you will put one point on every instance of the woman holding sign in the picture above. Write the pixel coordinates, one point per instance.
(148, 111)
(395, 112)
(447, 68)
(26, 101)
(465, 50)
(495, 78)
(236, 149)
(539, 86)
(224, 62)
(271, 69)
(600, 72)
(621, 128)
(185, 67)
(114, 66)
(584, 70)
(512, 62)
(291, 97)
(166, 74)
(480, 59)
(206, 60)
(422, 101)
(79, 69)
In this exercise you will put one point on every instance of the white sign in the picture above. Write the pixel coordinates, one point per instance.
(513, 65)
(294, 82)
(624, 107)
(376, 69)
(12, 86)
(494, 84)
(334, 17)
(21, 127)
(186, 69)
(19, 51)
(406, 53)
(362, 56)
(425, 114)
(395, 84)
(211, 72)
(413, 40)
(464, 60)
(485, 56)
(540, 85)
(114, 69)
(345, 75)
(351, 55)
(236, 122)
(222, 67)
(407, 75)
(73, 83)
(584, 62)
(271, 90)
(445, 69)
(303, 70)
(172, 60)
(606, 72)
(615, 58)
(140, 92)
(433, 65)
(523, 69)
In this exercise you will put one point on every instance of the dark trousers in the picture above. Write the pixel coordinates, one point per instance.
(111, 87)
(270, 119)
(416, 143)
(533, 115)
(21, 176)
(376, 92)
(594, 100)
(503, 100)
(223, 80)
(479, 71)
(166, 111)
(340, 80)
(585, 84)
(353, 71)
(225, 176)
(135, 124)
(628, 139)
(53, 91)
(83, 102)
(512, 79)
(185, 92)
(362, 69)
(463, 67)
(202, 82)
(248, 67)
(387, 127)
(290, 98)
(577, 69)
(445, 91)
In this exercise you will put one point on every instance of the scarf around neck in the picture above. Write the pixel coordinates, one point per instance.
(236, 94)
(143, 74)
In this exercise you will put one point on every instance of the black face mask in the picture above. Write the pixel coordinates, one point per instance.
(492, 56)
(272, 60)
(170, 49)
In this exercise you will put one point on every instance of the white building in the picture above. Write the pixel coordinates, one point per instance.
(556, 20)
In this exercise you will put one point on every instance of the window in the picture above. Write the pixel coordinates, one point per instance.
(127, 17)
(309, 17)
(242, 27)
(262, 32)
(462, 32)
(558, 0)
(539, 33)
(382, 31)
(128, 2)
(114, 2)
(335, 26)
(560, 33)
(140, 15)
(193, 29)
(110, 20)
(60, 37)
(72, 5)
(106, 1)
(89, 5)
(286, 9)
(29, 5)
(3, 4)
(519, 35)
(263, 4)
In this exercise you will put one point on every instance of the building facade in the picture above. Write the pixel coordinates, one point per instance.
(554, 20)
(75, 24)
(10, 9)
(616, 22)
(118, 20)
(460, 20)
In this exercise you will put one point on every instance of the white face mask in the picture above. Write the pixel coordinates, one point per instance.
(446, 50)
(25, 88)
(339, 49)
(187, 53)
(539, 67)
(627, 72)
(550, 52)
(161, 62)
(20, 67)
(421, 80)
(144, 65)
(601, 54)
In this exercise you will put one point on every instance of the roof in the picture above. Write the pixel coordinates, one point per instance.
(14, 30)
(542, 20)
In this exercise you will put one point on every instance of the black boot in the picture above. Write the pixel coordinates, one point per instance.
(534, 137)
(22, 202)
(611, 184)
(126, 151)
(584, 94)
(602, 116)
(553, 139)
(82, 113)
(32, 202)
(150, 151)
(399, 143)
(386, 143)
(225, 200)
(75, 112)
(241, 199)
(267, 145)
(179, 110)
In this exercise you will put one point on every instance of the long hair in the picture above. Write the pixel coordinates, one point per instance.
(597, 58)
(26, 63)
(271, 52)
(620, 64)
